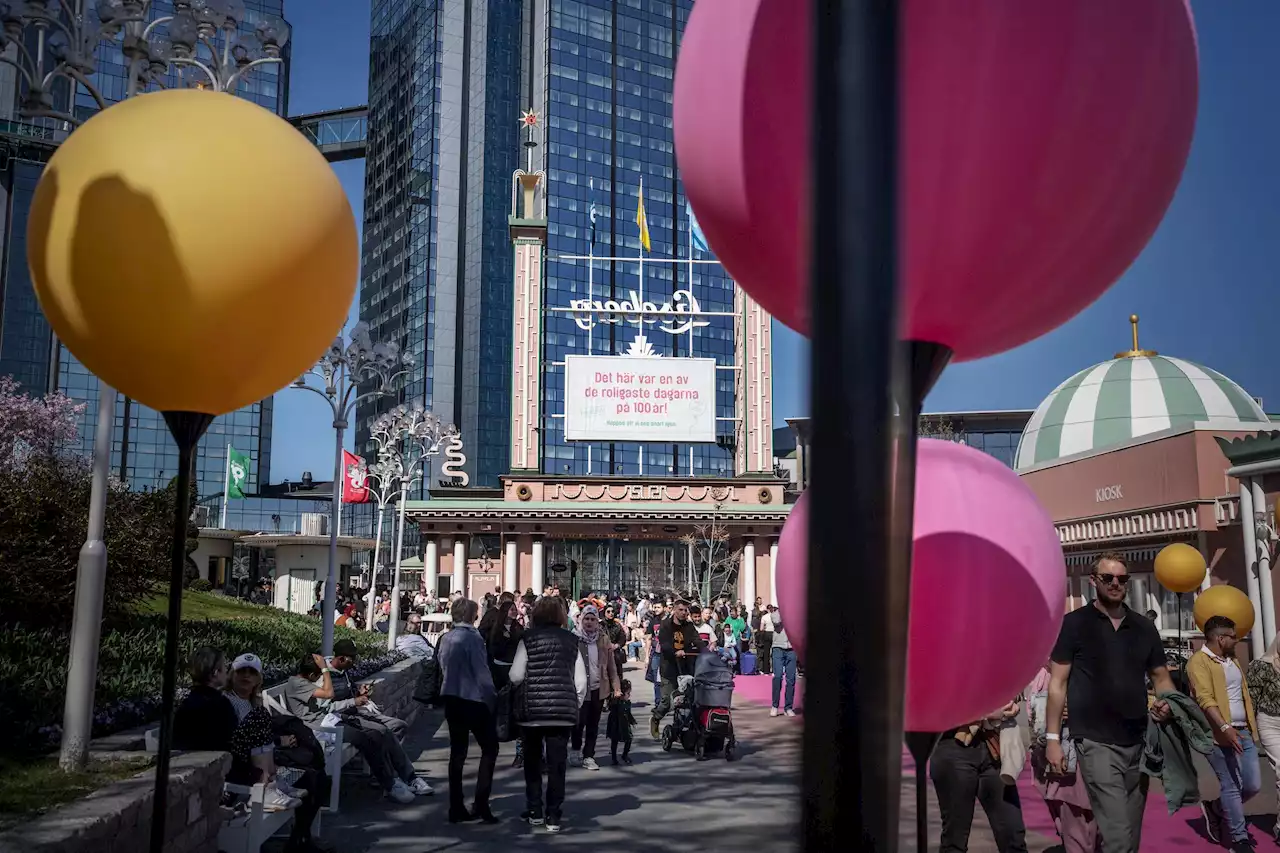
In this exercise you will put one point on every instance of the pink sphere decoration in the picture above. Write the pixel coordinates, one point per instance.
(987, 577)
(1041, 145)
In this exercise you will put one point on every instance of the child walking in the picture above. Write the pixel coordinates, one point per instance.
(618, 728)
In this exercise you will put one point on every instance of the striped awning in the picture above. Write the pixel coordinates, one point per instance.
(1125, 398)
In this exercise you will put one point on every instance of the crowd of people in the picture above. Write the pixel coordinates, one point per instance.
(550, 666)
(1103, 715)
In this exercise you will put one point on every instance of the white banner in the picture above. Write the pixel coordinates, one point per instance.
(623, 398)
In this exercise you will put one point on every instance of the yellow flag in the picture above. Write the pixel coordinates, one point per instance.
(643, 221)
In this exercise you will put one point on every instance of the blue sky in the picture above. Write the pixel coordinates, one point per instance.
(1205, 286)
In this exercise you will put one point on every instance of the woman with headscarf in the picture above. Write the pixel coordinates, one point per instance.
(602, 682)
(1263, 677)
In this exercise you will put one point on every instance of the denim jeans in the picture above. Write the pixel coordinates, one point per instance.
(1240, 779)
(633, 649)
(784, 661)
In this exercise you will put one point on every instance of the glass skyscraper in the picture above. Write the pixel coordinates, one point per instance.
(447, 83)
(143, 454)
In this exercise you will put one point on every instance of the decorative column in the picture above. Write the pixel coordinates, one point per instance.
(748, 571)
(529, 240)
(460, 565)
(773, 574)
(1202, 542)
(753, 386)
(511, 568)
(1267, 598)
(1257, 642)
(539, 569)
(431, 565)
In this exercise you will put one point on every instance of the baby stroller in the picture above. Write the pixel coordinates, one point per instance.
(702, 721)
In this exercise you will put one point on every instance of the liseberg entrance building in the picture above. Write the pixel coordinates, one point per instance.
(641, 429)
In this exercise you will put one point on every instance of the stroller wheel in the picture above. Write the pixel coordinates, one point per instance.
(668, 736)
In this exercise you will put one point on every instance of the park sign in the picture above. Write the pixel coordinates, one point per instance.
(627, 398)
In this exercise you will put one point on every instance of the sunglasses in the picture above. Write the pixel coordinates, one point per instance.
(1118, 580)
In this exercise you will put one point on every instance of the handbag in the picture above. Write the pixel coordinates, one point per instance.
(427, 690)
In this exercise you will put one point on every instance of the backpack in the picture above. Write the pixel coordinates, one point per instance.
(427, 690)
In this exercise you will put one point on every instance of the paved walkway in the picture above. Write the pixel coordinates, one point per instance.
(668, 801)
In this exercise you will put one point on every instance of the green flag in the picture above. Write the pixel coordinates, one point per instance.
(237, 473)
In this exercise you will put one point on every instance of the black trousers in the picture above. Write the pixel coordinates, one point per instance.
(555, 741)
(962, 774)
(467, 718)
(587, 731)
(764, 652)
(626, 747)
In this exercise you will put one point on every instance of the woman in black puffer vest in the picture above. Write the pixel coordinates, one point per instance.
(552, 681)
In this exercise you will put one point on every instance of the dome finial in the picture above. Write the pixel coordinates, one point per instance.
(1135, 352)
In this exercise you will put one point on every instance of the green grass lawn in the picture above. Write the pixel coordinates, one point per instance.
(202, 605)
(31, 788)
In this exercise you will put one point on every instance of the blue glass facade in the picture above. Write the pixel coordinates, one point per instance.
(444, 99)
(608, 92)
(25, 339)
(143, 454)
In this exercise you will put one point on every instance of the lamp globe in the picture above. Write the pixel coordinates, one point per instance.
(1180, 567)
(193, 250)
(1225, 600)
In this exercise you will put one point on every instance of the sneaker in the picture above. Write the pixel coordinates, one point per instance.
(401, 793)
(553, 823)
(589, 763)
(533, 818)
(275, 800)
(1212, 819)
(575, 759)
(773, 712)
(654, 723)
(420, 787)
(626, 759)
(790, 713)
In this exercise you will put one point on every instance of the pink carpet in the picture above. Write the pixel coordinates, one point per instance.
(1160, 831)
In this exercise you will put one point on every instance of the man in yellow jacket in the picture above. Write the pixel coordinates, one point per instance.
(1219, 686)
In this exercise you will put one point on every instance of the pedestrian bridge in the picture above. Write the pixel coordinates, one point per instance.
(339, 134)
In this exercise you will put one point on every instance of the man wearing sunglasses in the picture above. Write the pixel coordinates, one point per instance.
(1098, 673)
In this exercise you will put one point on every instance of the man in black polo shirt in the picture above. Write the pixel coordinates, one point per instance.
(1097, 674)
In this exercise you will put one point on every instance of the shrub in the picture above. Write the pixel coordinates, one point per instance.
(33, 665)
(200, 585)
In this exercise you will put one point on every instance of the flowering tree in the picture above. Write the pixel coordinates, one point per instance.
(29, 426)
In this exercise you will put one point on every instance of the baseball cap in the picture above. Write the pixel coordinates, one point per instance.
(345, 648)
(247, 661)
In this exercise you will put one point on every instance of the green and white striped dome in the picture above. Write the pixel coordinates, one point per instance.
(1132, 395)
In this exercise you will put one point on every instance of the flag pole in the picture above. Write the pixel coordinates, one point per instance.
(226, 488)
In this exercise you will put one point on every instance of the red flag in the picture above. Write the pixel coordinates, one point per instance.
(354, 490)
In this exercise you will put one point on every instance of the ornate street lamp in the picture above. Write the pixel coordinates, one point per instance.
(52, 41)
(380, 480)
(341, 371)
(414, 436)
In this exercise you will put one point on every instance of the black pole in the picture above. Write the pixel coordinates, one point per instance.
(186, 429)
(856, 657)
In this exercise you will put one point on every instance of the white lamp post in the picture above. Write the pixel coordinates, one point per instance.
(342, 370)
(51, 41)
(415, 436)
(380, 481)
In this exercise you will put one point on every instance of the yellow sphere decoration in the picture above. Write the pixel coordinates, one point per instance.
(1180, 567)
(192, 249)
(1225, 600)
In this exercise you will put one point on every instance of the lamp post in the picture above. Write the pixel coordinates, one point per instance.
(384, 472)
(57, 40)
(414, 437)
(342, 370)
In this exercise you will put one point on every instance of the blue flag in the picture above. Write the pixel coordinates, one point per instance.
(696, 238)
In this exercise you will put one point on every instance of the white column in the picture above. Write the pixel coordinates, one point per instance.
(748, 571)
(773, 574)
(1257, 643)
(1264, 570)
(511, 571)
(460, 565)
(539, 574)
(431, 565)
(1202, 542)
